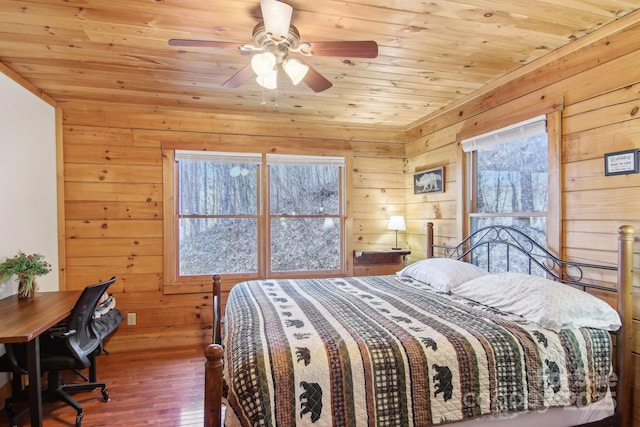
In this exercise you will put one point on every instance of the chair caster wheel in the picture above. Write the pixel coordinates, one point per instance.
(11, 413)
(105, 395)
(79, 420)
(9, 410)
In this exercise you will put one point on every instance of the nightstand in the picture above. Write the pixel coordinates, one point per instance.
(378, 263)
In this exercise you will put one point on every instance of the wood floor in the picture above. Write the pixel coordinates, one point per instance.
(163, 388)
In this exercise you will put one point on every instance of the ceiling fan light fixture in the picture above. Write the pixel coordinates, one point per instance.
(268, 81)
(274, 40)
(277, 17)
(263, 63)
(295, 69)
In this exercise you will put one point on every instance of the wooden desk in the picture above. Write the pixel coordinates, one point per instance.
(23, 321)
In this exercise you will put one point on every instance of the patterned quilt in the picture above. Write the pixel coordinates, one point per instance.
(389, 351)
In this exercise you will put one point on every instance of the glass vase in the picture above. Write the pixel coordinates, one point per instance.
(25, 291)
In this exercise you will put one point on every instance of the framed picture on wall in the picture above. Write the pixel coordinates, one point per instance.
(621, 162)
(429, 181)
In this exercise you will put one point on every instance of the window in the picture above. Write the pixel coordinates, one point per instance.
(509, 178)
(217, 213)
(305, 206)
(219, 222)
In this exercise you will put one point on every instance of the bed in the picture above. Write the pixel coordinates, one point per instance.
(444, 342)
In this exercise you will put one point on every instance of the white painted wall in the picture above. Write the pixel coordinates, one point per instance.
(28, 215)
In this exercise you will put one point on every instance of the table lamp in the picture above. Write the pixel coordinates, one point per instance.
(396, 222)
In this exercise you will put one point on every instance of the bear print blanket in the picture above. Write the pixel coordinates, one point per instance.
(389, 350)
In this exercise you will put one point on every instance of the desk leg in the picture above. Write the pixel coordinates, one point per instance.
(35, 384)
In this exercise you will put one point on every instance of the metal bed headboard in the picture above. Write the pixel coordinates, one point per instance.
(503, 248)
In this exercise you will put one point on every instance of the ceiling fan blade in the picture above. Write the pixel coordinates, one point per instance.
(202, 43)
(347, 49)
(277, 17)
(316, 81)
(239, 78)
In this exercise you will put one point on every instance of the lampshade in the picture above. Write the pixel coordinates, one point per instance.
(268, 81)
(295, 69)
(396, 222)
(263, 63)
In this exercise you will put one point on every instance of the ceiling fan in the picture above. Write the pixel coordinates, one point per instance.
(274, 40)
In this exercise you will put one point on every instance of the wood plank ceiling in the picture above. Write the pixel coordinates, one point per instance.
(431, 53)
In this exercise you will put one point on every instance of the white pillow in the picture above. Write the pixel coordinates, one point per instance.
(443, 274)
(552, 305)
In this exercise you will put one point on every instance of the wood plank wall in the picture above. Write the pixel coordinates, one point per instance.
(597, 89)
(113, 196)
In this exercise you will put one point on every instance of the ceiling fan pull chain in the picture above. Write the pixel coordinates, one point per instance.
(276, 98)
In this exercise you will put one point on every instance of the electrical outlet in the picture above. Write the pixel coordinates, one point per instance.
(131, 319)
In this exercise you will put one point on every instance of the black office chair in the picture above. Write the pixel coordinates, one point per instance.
(72, 346)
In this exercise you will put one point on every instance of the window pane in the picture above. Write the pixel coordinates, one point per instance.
(305, 244)
(212, 244)
(511, 189)
(304, 189)
(218, 188)
(513, 177)
(218, 245)
(534, 227)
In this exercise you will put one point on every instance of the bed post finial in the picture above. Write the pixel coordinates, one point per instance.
(625, 334)
(429, 239)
